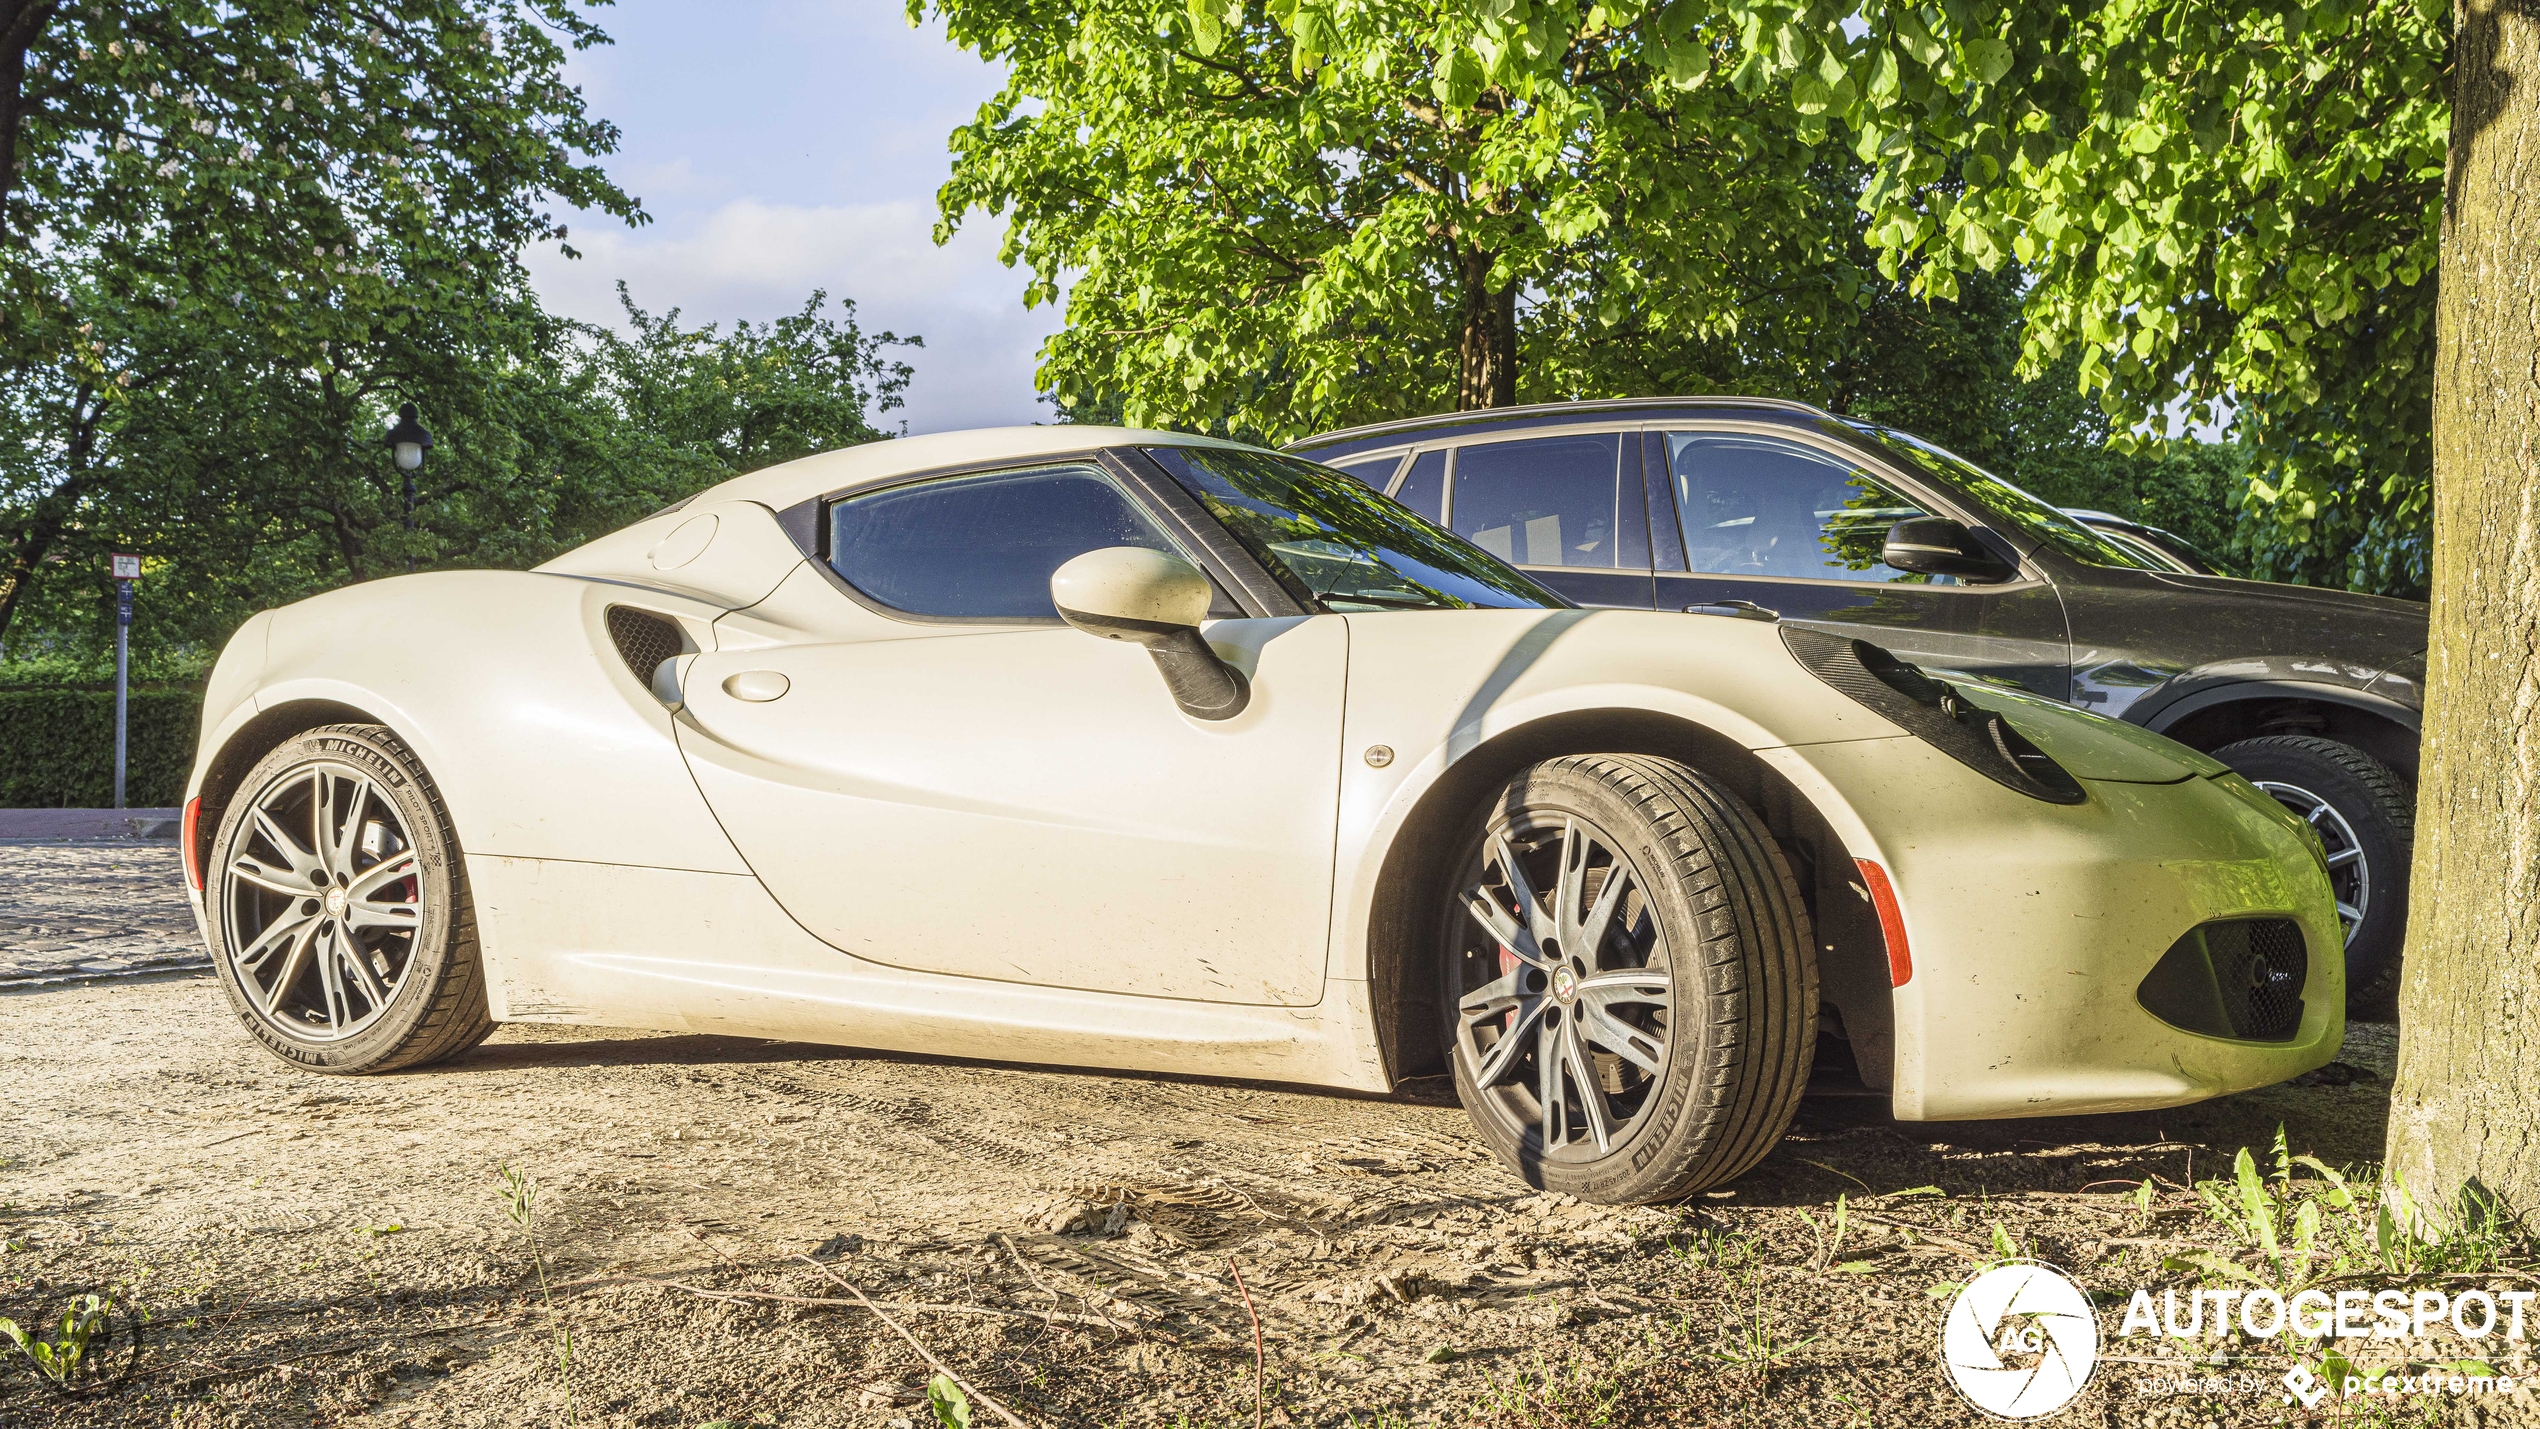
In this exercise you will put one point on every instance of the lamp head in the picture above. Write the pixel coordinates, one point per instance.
(409, 438)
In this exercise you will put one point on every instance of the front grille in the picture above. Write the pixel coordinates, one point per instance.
(2240, 978)
(643, 640)
(1933, 713)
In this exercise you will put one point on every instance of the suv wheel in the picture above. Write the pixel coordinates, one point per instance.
(2365, 815)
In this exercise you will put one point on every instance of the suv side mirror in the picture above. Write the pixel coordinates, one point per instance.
(1938, 546)
(1157, 600)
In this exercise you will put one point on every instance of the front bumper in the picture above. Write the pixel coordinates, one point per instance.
(2034, 925)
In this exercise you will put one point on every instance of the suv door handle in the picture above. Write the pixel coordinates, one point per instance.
(1740, 609)
(757, 686)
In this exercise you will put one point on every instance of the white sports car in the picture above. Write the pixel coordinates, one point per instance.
(1123, 749)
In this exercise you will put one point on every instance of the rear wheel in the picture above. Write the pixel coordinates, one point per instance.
(339, 911)
(1630, 996)
(2366, 819)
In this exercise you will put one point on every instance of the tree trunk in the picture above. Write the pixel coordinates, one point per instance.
(1489, 346)
(20, 22)
(2462, 1113)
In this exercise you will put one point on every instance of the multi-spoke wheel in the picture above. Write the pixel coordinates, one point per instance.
(2365, 817)
(1629, 987)
(338, 909)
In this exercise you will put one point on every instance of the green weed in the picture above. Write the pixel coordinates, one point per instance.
(951, 1406)
(86, 1325)
(2302, 1229)
(519, 1195)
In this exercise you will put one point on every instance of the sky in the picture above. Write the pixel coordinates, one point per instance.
(787, 145)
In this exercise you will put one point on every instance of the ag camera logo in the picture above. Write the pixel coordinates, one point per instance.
(2020, 1340)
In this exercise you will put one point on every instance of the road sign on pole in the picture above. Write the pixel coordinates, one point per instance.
(127, 569)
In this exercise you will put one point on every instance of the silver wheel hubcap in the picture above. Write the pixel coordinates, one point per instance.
(1569, 1038)
(2349, 875)
(322, 900)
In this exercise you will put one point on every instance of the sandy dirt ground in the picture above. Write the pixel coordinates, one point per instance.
(317, 1250)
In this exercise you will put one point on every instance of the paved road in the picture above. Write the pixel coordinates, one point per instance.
(71, 910)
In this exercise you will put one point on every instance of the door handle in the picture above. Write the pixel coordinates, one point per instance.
(1739, 609)
(757, 686)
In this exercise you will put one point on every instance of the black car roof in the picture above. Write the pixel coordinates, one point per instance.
(1327, 445)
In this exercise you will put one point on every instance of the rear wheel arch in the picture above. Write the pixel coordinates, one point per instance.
(1401, 934)
(248, 745)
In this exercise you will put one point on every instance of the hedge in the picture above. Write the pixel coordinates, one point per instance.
(57, 748)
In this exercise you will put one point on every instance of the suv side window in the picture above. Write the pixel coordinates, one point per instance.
(1760, 506)
(983, 547)
(1376, 471)
(1545, 501)
(1423, 489)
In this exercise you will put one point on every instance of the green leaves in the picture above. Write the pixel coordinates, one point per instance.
(1210, 20)
(950, 1405)
(65, 1355)
(1297, 222)
(1988, 60)
(2224, 202)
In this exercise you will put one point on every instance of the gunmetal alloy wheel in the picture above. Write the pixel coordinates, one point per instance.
(2365, 816)
(338, 908)
(1629, 994)
(323, 899)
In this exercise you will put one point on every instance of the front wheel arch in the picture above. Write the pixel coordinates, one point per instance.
(2260, 709)
(1401, 928)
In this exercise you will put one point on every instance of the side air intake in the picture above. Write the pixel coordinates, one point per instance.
(643, 640)
(2241, 979)
(1933, 713)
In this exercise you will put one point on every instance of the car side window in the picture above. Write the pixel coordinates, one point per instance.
(1545, 501)
(1376, 471)
(983, 547)
(1423, 488)
(1760, 506)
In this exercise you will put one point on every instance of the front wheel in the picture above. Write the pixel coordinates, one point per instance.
(2365, 817)
(338, 908)
(1629, 990)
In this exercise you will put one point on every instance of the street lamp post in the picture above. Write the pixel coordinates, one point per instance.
(126, 570)
(411, 442)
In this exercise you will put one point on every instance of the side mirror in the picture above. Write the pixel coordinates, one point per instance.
(1156, 600)
(1938, 546)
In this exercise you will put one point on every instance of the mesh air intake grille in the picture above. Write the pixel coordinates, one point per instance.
(643, 639)
(2241, 979)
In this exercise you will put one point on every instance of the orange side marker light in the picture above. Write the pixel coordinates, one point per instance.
(1900, 959)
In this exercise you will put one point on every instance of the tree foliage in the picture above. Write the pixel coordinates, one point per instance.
(246, 480)
(280, 182)
(1277, 217)
(709, 405)
(315, 152)
(2231, 202)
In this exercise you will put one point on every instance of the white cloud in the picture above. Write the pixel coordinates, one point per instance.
(753, 259)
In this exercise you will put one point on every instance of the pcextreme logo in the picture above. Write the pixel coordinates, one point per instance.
(2020, 1340)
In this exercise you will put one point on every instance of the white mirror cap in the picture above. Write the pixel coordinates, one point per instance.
(1132, 584)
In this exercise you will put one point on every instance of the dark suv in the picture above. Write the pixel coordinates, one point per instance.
(1749, 508)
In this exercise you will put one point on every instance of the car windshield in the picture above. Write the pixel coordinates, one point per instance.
(2009, 505)
(1332, 541)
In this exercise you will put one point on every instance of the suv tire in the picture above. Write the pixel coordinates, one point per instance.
(2366, 814)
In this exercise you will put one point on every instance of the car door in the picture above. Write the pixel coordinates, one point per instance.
(928, 770)
(1797, 527)
(1565, 508)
